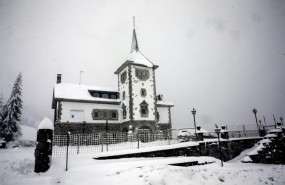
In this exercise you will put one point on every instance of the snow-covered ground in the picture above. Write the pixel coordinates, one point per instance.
(17, 165)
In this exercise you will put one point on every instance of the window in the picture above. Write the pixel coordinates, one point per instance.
(96, 114)
(123, 77)
(96, 95)
(144, 109)
(105, 96)
(104, 114)
(77, 114)
(114, 115)
(124, 111)
(113, 96)
(124, 95)
(143, 92)
(142, 74)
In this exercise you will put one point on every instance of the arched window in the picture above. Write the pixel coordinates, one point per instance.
(124, 95)
(143, 92)
(123, 77)
(124, 111)
(144, 109)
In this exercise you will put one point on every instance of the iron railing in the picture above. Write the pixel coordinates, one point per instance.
(103, 142)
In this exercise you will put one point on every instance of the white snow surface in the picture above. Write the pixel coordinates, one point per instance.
(17, 166)
(46, 124)
(80, 92)
(138, 58)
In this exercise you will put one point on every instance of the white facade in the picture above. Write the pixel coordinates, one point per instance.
(134, 102)
(76, 112)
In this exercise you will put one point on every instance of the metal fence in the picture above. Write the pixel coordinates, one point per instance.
(103, 142)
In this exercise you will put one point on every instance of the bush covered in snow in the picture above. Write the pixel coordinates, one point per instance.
(270, 150)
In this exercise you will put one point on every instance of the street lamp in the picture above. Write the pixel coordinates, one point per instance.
(218, 130)
(254, 112)
(194, 113)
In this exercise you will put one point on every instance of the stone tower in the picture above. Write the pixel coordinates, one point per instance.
(136, 84)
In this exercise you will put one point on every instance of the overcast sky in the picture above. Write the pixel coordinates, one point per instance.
(221, 57)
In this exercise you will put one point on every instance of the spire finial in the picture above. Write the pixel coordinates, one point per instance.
(135, 45)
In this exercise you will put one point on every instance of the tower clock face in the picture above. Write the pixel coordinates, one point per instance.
(123, 77)
(142, 74)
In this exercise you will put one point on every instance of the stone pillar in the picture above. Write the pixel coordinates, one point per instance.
(43, 151)
(224, 132)
(200, 136)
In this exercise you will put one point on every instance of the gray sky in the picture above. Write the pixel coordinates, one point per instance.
(222, 57)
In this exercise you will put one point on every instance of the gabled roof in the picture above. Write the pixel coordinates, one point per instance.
(74, 92)
(164, 104)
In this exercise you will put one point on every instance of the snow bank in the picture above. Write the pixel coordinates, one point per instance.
(17, 168)
(46, 124)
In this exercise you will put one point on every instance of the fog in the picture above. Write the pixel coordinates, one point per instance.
(222, 58)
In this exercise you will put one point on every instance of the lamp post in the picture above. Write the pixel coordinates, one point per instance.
(218, 130)
(264, 121)
(281, 119)
(194, 113)
(254, 112)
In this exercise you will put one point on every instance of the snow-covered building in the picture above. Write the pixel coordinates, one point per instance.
(89, 109)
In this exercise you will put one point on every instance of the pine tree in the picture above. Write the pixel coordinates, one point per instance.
(12, 112)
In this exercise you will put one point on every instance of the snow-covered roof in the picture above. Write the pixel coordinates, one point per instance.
(46, 124)
(80, 92)
(164, 104)
(138, 58)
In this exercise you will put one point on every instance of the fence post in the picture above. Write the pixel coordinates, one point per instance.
(77, 144)
(138, 139)
(101, 140)
(168, 137)
(68, 136)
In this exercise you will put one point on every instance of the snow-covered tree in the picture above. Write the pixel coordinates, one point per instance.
(1, 115)
(12, 112)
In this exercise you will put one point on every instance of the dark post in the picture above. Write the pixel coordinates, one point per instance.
(254, 112)
(43, 149)
(264, 121)
(218, 130)
(194, 113)
(67, 144)
(281, 119)
(138, 138)
(107, 130)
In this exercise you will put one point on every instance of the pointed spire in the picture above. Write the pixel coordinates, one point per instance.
(135, 45)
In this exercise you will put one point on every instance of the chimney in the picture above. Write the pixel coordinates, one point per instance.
(58, 79)
(160, 97)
